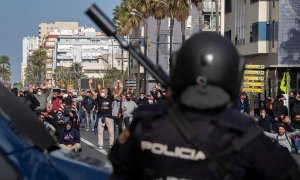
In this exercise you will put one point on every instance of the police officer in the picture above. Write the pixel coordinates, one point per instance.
(200, 135)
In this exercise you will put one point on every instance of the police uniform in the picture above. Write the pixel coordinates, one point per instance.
(200, 136)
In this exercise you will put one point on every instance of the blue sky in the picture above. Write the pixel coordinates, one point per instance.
(20, 18)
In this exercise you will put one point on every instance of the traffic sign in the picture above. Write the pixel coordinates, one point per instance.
(130, 83)
(254, 78)
(250, 66)
(261, 84)
(254, 72)
(254, 90)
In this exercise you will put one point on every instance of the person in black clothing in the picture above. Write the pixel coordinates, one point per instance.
(265, 121)
(142, 100)
(158, 94)
(295, 107)
(292, 99)
(88, 105)
(200, 135)
(30, 99)
(278, 107)
(68, 106)
(104, 101)
(242, 104)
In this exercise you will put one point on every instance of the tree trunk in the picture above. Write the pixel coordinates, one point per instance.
(200, 13)
(171, 44)
(157, 41)
(217, 16)
(183, 31)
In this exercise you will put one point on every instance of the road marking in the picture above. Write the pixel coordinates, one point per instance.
(93, 146)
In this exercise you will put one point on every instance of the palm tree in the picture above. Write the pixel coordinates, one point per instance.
(183, 12)
(128, 22)
(5, 71)
(171, 4)
(36, 66)
(76, 73)
(199, 5)
(159, 13)
(217, 16)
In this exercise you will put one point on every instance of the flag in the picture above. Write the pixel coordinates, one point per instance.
(284, 83)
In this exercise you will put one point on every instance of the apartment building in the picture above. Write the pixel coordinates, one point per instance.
(29, 44)
(267, 33)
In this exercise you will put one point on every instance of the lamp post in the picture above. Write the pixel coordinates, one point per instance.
(74, 64)
(137, 13)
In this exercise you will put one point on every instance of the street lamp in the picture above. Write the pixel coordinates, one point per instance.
(135, 12)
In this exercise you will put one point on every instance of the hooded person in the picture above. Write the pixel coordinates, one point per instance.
(69, 138)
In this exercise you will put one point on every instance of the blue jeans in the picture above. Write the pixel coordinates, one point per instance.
(297, 144)
(89, 119)
(82, 117)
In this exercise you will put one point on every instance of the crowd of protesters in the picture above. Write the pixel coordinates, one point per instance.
(111, 109)
(93, 110)
(280, 122)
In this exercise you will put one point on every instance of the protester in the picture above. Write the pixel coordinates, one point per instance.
(283, 138)
(295, 107)
(69, 138)
(55, 102)
(265, 121)
(142, 100)
(42, 98)
(104, 101)
(30, 99)
(128, 107)
(278, 107)
(242, 104)
(88, 106)
(158, 94)
(269, 106)
(116, 114)
(51, 129)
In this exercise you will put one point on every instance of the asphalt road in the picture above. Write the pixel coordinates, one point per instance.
(89, 141)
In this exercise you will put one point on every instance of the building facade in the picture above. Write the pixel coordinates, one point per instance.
(267, 33)
(29, 44)
(95, 53)
(47, 38)
(192, 25)
(66, 44)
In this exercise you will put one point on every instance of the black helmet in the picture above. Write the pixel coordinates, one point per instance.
(207, 69)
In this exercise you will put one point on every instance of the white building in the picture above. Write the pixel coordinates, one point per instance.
(29, 44)
(95, 51)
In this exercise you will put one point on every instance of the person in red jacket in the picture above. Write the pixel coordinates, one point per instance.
(55, 102)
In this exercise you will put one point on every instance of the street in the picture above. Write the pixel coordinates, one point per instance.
(89, 145)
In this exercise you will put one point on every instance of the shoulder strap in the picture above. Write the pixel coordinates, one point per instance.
(287, 138)
(219, 168)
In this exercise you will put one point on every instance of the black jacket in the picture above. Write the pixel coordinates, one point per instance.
(279, 108)
(141, 101)
(157, 149)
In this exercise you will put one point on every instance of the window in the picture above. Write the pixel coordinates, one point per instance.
(253, 1)
(254, 32)
(228, 6)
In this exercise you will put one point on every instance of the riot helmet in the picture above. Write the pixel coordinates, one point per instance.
(207, 73)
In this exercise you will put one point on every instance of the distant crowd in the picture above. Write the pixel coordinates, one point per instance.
(280, 122)
(93, 110)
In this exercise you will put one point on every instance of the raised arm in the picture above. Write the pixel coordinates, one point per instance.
(270, 135)
(91, 88)
(119, 91)
(295, 133)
